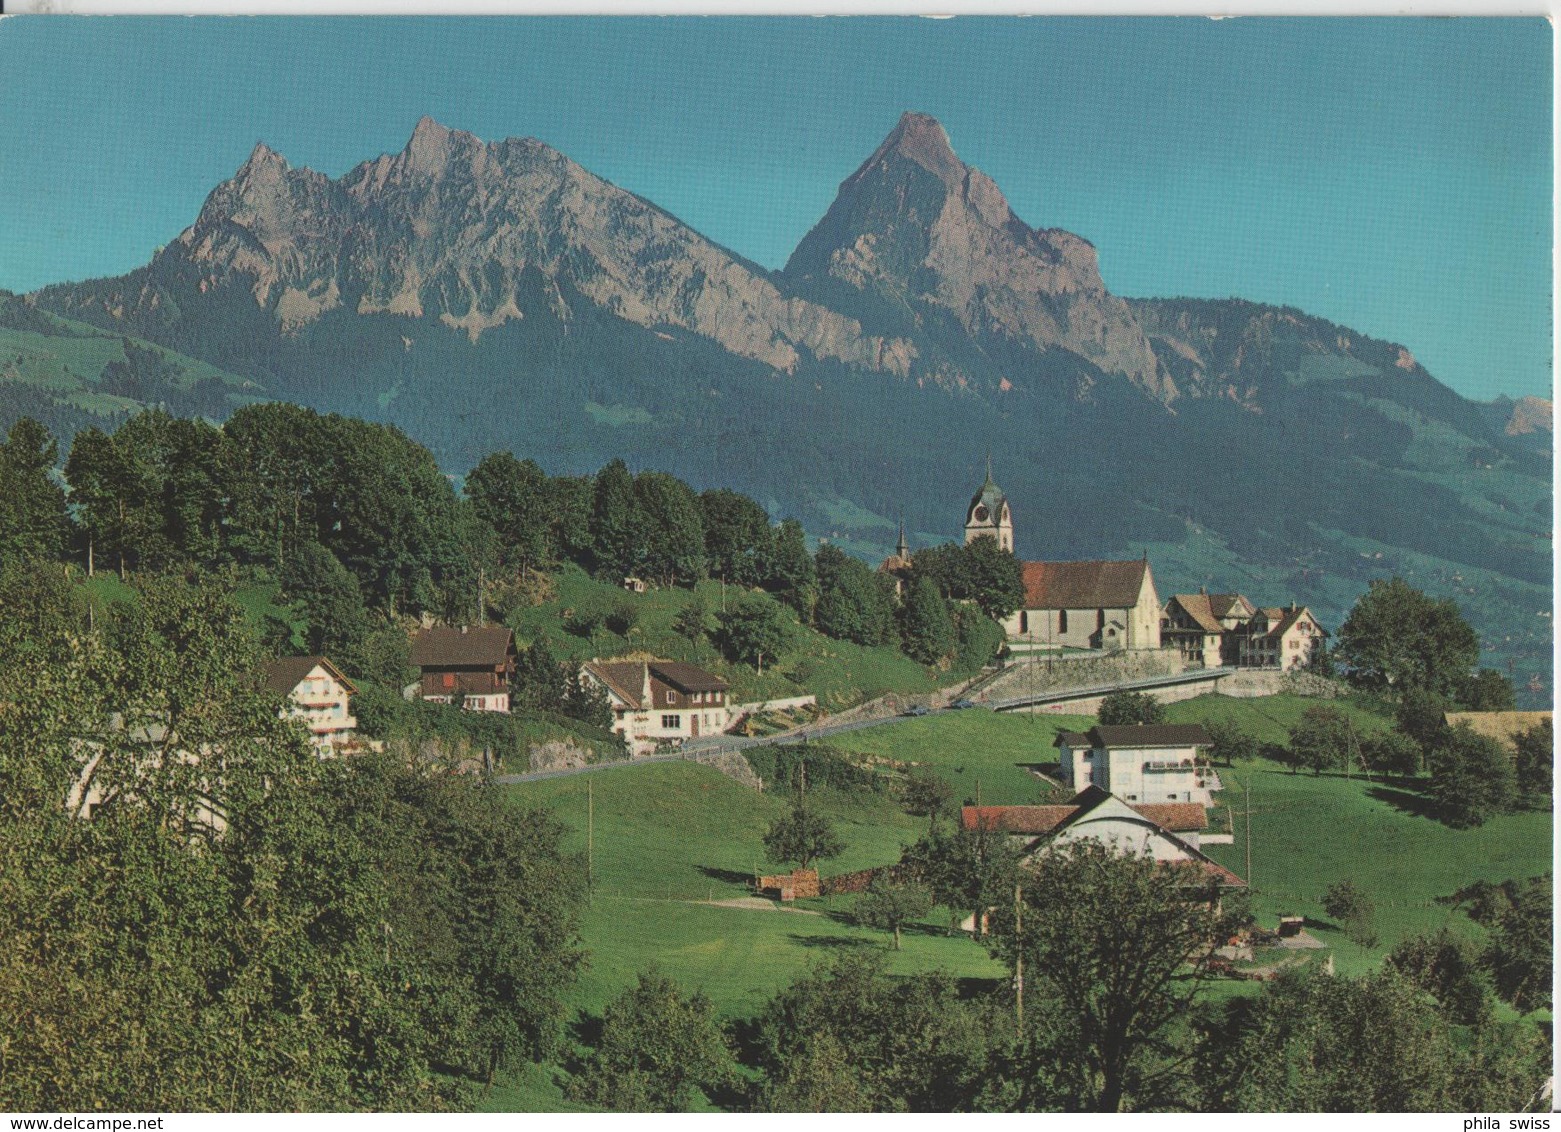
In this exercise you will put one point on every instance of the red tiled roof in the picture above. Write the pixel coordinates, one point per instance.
(1083, 585)
(462, 648)
(1178, 817)
(1016, 819)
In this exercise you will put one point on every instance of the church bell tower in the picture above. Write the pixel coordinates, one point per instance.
(989, 515)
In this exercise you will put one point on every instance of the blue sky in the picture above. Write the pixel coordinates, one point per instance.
(1391, 175)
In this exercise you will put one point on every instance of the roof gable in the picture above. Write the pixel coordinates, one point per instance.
(286, 673)
(1150, 735)
(461, 648)
(1084, 585)
(1199, 610)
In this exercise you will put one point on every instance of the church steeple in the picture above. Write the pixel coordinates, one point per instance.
(989, 515)
(902, 549)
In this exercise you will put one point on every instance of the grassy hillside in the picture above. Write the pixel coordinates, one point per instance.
(673, 845)
(671, 838)
(56, 370)
(838, 672)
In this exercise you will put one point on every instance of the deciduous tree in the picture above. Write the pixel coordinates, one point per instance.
(1127, 708)
(802, 837)
(657, 1047)
(1396, 638)
(1117, 946)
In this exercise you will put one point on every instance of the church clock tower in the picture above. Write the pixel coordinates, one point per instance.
(989, 515)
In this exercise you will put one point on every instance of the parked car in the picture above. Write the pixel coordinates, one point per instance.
(961, 705)
(919, 709)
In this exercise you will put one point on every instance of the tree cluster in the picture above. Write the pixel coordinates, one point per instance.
(202, 915)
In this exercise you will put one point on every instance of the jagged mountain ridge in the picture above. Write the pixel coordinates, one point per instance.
(449, 226)
(496, 295)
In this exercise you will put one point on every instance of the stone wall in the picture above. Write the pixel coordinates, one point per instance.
(1058, 674)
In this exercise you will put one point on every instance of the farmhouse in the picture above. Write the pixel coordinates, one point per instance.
(1166, 832)
(468, 666)
(318, 693)
(1140, 763)
(657, 702)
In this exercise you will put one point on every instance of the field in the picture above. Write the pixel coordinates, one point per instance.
(674, 843)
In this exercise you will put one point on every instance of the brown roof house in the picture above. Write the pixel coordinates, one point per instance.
(319, 694)
(660, 702)
(1285, 639)
(1166, 833)
(469, 666)
(1227, 629)
(1144, 763)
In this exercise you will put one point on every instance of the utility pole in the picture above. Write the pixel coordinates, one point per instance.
(1018, 957)
(1246, 794)
(590, 821)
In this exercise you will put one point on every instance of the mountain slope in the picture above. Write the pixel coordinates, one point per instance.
(496, 295)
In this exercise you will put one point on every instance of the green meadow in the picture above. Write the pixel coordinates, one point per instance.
(673, 845)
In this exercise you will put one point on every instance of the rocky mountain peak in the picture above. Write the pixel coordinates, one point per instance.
(263, 163)
(920, 138)
(429, 148)
(916, 226)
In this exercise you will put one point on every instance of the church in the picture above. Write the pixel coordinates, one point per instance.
(1104, 605)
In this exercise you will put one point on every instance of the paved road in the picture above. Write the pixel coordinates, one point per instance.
(716, 744)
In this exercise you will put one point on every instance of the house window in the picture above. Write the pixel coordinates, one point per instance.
(1024, 621)
(669, 697)
(449, 680)
(672, 722)
(1062, 621)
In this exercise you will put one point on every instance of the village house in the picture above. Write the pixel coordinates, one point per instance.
(1168, 833)
(1286, 639)
(1229, 630)
(469, 666)
(1139, 763)
(319, 694)
(660, 702)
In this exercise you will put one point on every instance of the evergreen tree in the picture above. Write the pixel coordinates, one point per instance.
(33, 518)
(615, 529)
(673, 529)
(739, 541)
(792, 576)
(511, 496)
(926, 631)
(852, 605)
(1536, 758)
(329, 599)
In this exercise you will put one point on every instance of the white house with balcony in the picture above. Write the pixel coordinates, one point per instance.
(318, 693)
(1140, 763)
